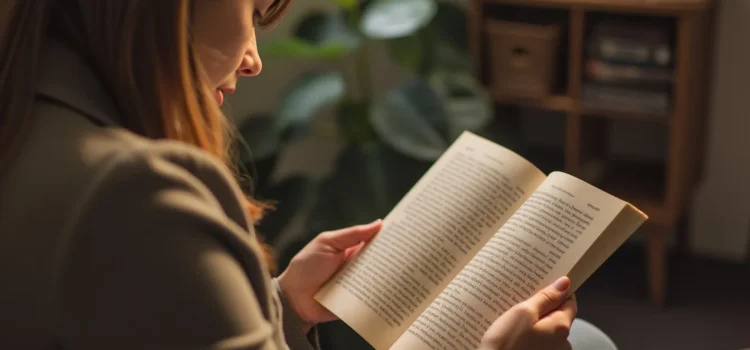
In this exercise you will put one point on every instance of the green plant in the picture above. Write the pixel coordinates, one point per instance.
(426, 38)
(391, 137)
(264, 138)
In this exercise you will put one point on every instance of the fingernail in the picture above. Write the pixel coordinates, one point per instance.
(376, 222)
(562, 284)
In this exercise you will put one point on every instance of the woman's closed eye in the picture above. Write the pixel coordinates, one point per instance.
(268, 11)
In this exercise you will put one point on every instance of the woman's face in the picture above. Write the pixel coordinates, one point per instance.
(224, 37)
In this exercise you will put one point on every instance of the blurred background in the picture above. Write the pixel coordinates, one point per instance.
(646, 99)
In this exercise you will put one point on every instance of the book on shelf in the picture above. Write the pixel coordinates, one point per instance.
(627, 74)
(629, 43)
(627, 99)
(481, 231)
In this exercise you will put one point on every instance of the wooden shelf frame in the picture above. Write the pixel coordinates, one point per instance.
(685, 123)
(656, 118)
(640, 7)
(557, 103)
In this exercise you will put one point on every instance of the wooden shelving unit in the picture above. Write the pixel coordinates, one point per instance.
(597, 112)
(559, 103)
(663, 191)
(646, 7)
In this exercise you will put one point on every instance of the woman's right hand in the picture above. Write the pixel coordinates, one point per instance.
(541, 322)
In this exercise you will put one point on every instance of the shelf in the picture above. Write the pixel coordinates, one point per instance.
(591, 111)
(588, 150)
(630, 6)
(559, 103)
(638, 183)
(562, 103)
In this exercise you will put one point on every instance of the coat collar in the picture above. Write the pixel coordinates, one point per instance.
(67, 79)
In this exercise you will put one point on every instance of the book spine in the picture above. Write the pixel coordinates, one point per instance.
(630, 44)
(625, 99)
(621, 51)
(626, 74)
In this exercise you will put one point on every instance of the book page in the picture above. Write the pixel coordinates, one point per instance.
(627, 222)
(428, 237)
(541, 242)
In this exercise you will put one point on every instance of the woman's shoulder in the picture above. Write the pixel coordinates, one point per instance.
(153, 188)
(141, 234)
(166, 219)
(160, 158)
(142, 168)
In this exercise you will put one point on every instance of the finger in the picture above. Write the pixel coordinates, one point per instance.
(558, 322)
(557, 325)
(348, 237)
(351, 252)
(570, 308)
(564, 315)
(549, 298)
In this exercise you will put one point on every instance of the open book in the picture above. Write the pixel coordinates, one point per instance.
(483, 230)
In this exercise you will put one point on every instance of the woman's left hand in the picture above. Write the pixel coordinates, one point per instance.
(315, 264)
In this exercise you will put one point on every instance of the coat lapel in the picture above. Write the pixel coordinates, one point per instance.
(66, 78)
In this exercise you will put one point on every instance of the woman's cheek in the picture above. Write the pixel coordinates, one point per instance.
(214, 63)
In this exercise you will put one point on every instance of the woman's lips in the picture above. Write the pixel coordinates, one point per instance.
(220, 92)
(219, 97)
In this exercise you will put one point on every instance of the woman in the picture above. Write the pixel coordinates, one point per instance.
(121, 224)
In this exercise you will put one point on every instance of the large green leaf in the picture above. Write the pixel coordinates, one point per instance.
(354, 122)
(389, 19)
(412, 120)
(467, 104)
(259, 148)
(260, 136)
(347, 5)
(407, 52)
(367, 182)
(448, 57)
(353, 16)
(318, 36)
(451, 25)
(321, 28)
(298, 48)
(260, 173)
(290, 197)
(448, 33)
(302, 101)
(421, 118)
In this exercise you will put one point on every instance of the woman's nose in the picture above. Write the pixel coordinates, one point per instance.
(251, 65)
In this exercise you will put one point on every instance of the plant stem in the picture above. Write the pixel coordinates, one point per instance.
(426, 40)
(364, 79)
(362, 75)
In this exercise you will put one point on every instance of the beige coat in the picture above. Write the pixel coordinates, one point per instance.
(109, 240)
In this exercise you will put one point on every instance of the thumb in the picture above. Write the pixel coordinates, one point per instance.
(351, 236)
(549, 298)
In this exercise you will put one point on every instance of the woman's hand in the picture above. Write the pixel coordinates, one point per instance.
(541, 322)
(315, 264)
